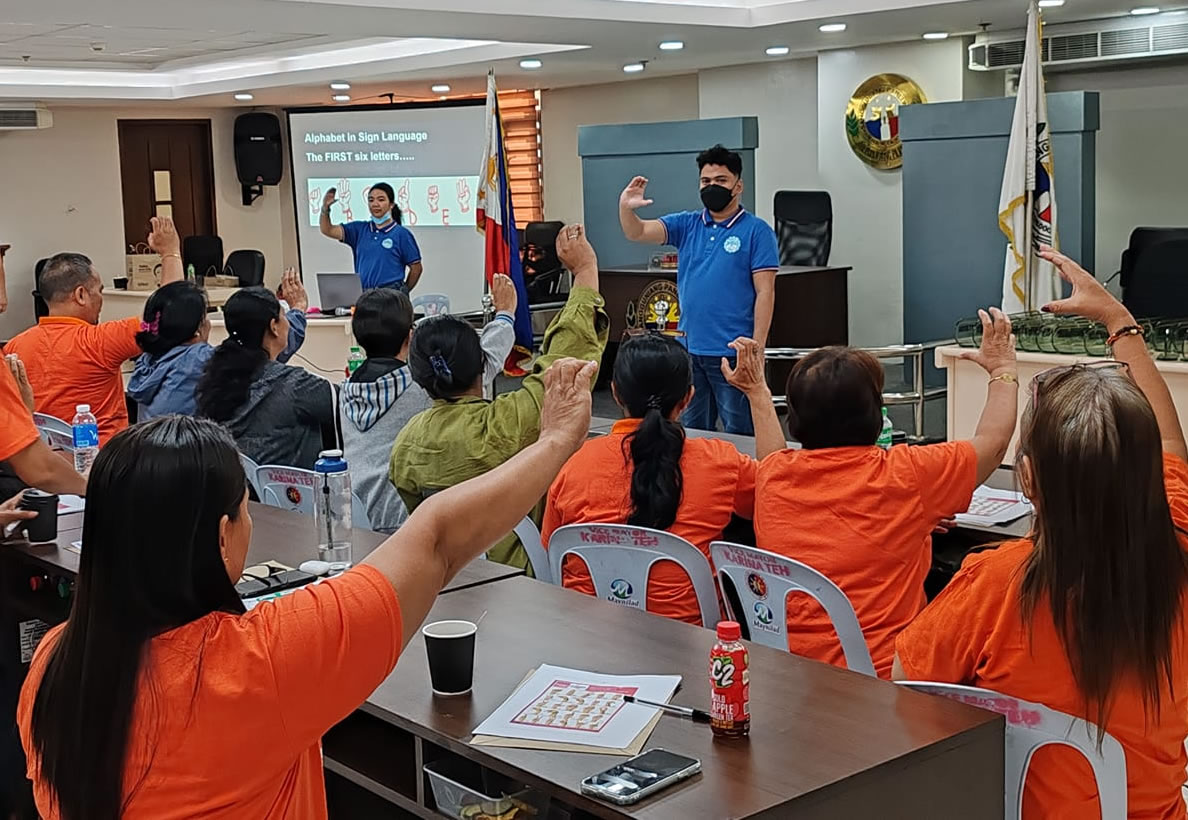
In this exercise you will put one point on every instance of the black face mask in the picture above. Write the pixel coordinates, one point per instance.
(716, 197)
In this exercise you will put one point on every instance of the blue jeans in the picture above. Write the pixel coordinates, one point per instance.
(714, 399)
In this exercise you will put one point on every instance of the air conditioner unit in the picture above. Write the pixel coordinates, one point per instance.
(1083, 45)
(15, 117)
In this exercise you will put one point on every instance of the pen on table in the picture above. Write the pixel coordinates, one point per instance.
(697, 715)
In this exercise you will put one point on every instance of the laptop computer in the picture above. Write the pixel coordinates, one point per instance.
(338, 290)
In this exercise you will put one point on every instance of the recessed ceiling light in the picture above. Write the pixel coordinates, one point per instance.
(530, 65)
(1142, 10)
(243, 96)
(340, 86)
(341, 98)
(633, 68)
(777, 51)
(832, 28)
(936, 35)
(1050, 4)
(672, 45)
(440, 88)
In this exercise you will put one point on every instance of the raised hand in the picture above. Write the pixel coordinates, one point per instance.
(330, 198)
(749, 372)
(633, 197)
(293, 290)
(503, 294)
(463, 194)
(574, 249)
(565, 412)
(1089, 297)
(163, 237)
(17, 368)
(997, 353)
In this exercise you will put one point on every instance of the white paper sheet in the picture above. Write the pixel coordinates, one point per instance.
(560, 705)
(991, 507)
(71, 504)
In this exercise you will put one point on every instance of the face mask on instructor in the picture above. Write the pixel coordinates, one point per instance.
(716, 197)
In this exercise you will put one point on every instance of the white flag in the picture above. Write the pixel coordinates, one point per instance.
(1028, 281)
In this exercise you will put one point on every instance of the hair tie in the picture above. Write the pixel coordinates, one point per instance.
(153, 326)
(654, 402)
(233, 337)
(440, 368)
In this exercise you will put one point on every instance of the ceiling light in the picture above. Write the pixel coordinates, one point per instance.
(633, 68)
(672, 45)
(1050, 4)
(341, 98)
(936, 35)
(1142, 10)
(832, 28)
(340, 86)
(440, 88)
(243, 96)
(777, 51)
(530, 65)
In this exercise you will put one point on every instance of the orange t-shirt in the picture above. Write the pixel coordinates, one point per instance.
(594, 487)
(16, 422)
(241, 702)
(973, 634)
(72, 362)
(863, 517)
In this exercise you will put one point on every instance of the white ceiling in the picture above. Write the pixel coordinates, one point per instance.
(286, 51)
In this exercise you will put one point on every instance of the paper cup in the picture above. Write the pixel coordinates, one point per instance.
(450, 645)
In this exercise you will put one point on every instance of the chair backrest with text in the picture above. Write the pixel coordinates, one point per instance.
(1030, 726)
(620, 558)
(55, 432)
(765, 581)
(294, 489)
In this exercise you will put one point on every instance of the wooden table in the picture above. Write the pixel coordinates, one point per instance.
(824, 742)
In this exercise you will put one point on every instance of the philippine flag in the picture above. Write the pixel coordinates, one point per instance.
(495, 219)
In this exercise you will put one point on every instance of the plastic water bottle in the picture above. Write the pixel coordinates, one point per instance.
(354, 359)
(887, 434)
(86, 438)
(332, 510)
(190, 277)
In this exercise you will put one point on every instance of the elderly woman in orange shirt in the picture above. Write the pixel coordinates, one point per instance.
(861, 515)
(647, 473)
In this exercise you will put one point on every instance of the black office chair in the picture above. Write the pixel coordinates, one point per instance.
(804, 227)
(205, 253)
(543, 270)
(40, 308)
(248, 266)
(1155, 280)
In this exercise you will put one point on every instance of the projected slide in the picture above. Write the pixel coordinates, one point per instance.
(429, 155)
(424, 201)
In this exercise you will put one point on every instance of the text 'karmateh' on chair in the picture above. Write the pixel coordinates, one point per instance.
(620, 557)
(1030, 726)
(294, 489)
(763, 583)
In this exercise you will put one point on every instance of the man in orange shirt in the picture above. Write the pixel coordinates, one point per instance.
(71, 357)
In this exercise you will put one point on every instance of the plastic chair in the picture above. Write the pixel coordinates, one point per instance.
(251, 469)
(54, 431)
(620, 558)
(760, 577)
(294, 489)
(431, 304)
(1030, 726)
(529, 536)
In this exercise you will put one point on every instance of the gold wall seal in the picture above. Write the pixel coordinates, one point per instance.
(872, 119)
(657, 308)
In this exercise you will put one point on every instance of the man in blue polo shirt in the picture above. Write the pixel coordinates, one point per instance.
(727, 260)
(386, 254)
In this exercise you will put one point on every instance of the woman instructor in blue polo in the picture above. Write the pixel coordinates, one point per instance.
(386, 254)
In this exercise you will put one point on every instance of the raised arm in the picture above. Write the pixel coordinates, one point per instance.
(651, 231)
(164, 240)
(1091, 300)
(997, 423)
(327, 227)
(749, 376)
(436, 541)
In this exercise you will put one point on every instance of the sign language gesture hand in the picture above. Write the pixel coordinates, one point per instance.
(633, 195)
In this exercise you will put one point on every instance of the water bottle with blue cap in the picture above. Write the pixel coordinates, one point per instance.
(332, 510)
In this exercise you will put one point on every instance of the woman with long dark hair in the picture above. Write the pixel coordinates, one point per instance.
(1086, 615)
(174, 336)
(648, 474)
(142, 705)
(276, 413)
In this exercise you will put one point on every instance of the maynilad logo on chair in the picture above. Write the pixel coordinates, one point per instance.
(621, 590)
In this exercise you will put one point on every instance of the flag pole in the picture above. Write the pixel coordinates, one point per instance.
(1028, 254)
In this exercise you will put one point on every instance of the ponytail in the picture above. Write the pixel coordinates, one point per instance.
(227, 381)
(652, 377)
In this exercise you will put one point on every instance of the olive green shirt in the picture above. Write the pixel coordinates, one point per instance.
(459, 439)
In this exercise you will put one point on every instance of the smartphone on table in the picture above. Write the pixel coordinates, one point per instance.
(642, 775)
